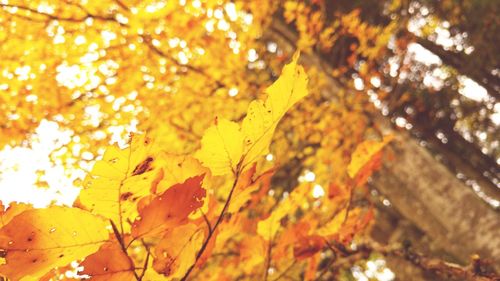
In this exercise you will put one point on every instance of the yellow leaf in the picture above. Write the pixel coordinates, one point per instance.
(364, 153)
(263, 117)
(221, 147)
(119, 180)
(333, 226)
(38, 240)
(225, 148)
(177, 169)
(252, 252)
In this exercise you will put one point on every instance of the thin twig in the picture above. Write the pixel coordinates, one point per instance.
(268, 259)
(122, 245)
(284, 272)
(210, 234)
(58, 18)
(145, 266)
(207, 222)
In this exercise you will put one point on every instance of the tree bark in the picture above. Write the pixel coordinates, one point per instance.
(425, 192)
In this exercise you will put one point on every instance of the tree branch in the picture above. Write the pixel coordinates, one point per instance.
(477, 270)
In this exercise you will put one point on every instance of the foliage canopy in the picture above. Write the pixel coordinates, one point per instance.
(209, 152)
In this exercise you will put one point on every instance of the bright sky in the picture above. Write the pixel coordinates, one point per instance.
(19, 168)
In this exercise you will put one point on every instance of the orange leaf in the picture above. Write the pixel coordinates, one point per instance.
(14, 209)
(308, 246)
(38, 240)
(171, 208)
(364, 153)
(253, 252)
(311, 269)
(109, 263)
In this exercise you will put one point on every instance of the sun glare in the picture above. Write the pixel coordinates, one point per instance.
(22, 166)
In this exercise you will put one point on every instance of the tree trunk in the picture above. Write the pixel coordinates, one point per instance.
(425, 192)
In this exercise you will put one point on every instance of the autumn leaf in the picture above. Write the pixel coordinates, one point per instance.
(343, 229)
(247, 186)
(170, 209)
(253, 250)
(109, 263)
(227, 148)
(57, 272)
(178, 168)
(262, 117)
(312, 264)
(6, 214)
(177, 251)
(38, 240)
(308, 246)
(117, 182)
(288, 238)
(333, 226)
(242, 190)
(226, 231)
(364, 153)
(221, 147)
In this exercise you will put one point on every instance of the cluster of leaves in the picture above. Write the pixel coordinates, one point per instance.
(146, 214)
(355, 42)
(376, 46)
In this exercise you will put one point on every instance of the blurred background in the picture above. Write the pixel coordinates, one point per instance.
(76, 76)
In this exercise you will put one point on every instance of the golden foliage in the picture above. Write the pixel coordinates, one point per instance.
(195, 195)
